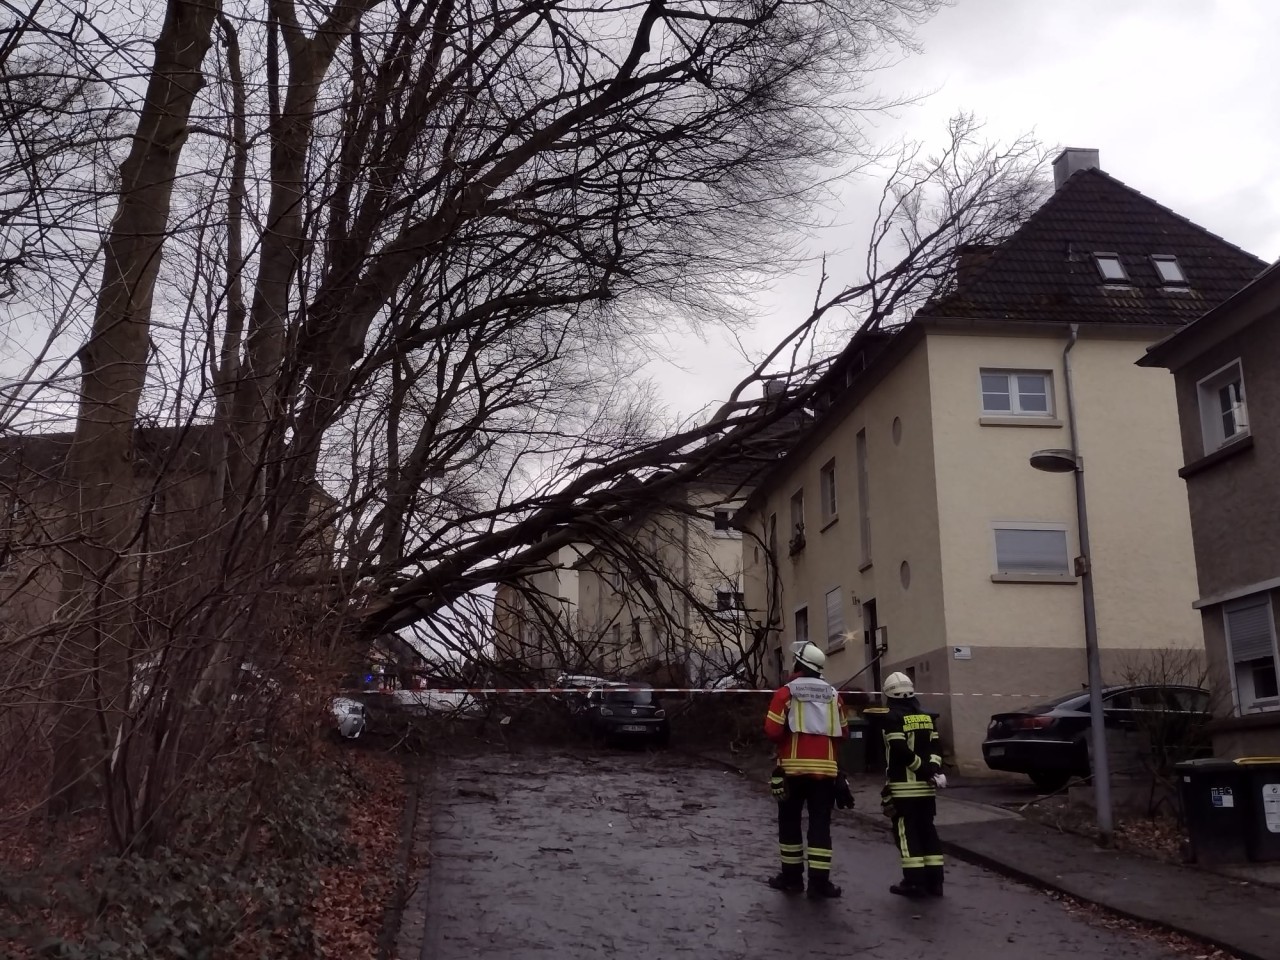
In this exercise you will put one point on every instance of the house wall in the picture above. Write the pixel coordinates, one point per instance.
(1026, 639)
(904, 530)
(1234, 513)
(935, 494)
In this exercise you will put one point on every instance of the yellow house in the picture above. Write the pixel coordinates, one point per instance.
(908, 531)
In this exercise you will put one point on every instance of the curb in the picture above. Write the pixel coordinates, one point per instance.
(394, 914)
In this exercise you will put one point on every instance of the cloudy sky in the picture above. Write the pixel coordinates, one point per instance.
(1178, 95)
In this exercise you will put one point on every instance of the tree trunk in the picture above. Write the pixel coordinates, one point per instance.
(99, 467)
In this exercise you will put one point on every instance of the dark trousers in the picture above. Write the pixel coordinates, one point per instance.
(819, 794)
(918, 841)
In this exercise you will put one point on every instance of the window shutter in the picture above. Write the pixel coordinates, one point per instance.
(1249, 632)
(1031, 551)
(835, 615)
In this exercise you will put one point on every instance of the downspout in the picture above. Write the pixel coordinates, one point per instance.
(1084, 570)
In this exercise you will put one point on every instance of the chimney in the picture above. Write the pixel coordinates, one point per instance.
(1072, 159)
(969, 257)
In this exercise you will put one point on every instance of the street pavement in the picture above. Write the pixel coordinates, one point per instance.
(542, 853)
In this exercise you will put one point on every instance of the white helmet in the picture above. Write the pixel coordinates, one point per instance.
(898, 686)
(808, 655)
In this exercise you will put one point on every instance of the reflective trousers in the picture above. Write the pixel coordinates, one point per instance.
(819, 795)
(917, 840)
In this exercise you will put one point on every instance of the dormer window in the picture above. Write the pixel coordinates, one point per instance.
(1170, 270)
(1111, 268)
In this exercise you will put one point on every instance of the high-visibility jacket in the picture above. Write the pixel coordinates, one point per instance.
(912, 750)
(806, 721)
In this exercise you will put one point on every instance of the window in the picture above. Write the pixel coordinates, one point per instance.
(1251, 639)
(864, 497)
(723, 520)
(1223, 415)
(802, 625)
(828, 490)
(729, 600)
(1170, 270)
(1017, 393)
(722, 524)
(797, 512)
(796, 543)
(835, 620)
(1111, 268)
(1032, 550)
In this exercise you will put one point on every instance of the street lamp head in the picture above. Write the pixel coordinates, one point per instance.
(1054, 461)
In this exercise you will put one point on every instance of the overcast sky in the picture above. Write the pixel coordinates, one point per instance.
(1178, 95)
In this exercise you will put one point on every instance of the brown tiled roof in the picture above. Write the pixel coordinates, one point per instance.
(1046, 270)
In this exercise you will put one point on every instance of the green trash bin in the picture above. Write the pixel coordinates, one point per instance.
(1261, 781)
(1216, 804)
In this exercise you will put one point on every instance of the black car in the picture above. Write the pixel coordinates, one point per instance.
(623, 712)
(1049, 742)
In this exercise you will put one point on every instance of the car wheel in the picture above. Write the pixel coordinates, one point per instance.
(1049, 782)
(663, 739)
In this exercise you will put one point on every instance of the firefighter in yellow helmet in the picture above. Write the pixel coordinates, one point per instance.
(913, 765)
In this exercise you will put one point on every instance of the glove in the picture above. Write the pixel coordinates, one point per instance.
(940, 781)
(887, 807)
(778, 784)
(844, 795)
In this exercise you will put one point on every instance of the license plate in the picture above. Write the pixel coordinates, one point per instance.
(997, 751)
(633, 728)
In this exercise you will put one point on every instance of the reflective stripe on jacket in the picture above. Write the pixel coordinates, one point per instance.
(912, 751)
(806, 721)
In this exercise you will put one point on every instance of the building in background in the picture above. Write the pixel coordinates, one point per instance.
(907, 529)
(1226, 368)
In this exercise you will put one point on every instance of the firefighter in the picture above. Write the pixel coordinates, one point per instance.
(913, 768)
(806, 721)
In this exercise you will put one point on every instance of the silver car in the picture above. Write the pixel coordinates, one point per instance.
(350, 717)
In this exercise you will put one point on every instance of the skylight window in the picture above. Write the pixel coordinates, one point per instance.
(1111, 268)
(1170, 270)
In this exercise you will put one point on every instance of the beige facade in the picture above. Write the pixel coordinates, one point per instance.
(941, 477)
(664, 593)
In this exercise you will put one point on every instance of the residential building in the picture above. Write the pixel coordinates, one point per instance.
(536, 618)
(911, 531)
(1226, 371)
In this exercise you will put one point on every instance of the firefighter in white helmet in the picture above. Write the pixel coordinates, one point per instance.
(913, 771)
(806, 721)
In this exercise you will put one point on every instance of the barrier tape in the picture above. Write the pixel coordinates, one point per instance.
(491, 691)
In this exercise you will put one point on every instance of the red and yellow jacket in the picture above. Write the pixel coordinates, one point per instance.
(806, 721)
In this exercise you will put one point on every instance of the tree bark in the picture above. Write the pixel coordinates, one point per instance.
(99, 467)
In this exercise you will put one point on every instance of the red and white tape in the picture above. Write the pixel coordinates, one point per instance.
(495, 691)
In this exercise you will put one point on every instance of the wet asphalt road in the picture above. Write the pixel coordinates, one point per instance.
(543, 854)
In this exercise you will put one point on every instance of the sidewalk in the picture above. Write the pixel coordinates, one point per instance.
(1233, 915)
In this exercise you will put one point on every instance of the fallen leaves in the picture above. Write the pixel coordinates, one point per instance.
(348, 911)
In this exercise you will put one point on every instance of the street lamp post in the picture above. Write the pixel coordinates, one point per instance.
(1068, 461)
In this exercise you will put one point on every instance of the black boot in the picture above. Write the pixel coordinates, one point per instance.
(788, 881)
(906, 888)
(821, 887)
(934, 889)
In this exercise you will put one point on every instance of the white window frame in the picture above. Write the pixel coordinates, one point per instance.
(1159, 258)
(737, 601)
(808, 627)
(1251, 705)
(829, 502)
(835, 637)
(1015, 405)
(1067, 575)
(1210, 412)
(731, 532)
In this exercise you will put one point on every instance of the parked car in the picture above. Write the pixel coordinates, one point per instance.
(573, 689)
(349, 717)
(620, 711)
(1049, 742)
